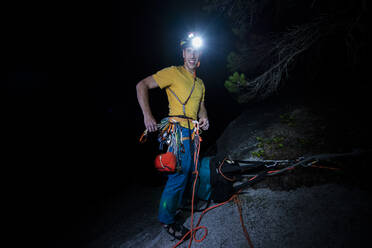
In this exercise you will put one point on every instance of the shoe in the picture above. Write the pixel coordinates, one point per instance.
(177, 230)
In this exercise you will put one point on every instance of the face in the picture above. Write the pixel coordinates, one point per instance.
(191, 57)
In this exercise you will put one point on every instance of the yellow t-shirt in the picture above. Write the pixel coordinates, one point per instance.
(181, 81)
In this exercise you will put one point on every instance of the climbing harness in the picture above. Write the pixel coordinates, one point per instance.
(170, 135)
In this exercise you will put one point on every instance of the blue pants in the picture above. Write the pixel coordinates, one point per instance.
(173, 192)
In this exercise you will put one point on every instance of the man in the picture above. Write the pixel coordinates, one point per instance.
(185, 94)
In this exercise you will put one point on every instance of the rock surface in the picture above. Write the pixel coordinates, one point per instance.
(328, 215)
(288, 132)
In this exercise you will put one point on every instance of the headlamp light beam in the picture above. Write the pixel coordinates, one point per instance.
(197, 42)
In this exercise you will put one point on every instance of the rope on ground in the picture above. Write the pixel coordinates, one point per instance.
(198, 227)
(239, 206)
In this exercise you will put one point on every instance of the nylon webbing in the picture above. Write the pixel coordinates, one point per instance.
(188, 98)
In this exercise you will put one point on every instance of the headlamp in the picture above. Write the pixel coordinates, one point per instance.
(192, 40)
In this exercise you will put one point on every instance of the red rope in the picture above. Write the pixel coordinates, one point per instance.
(239, 205)
(227, 178)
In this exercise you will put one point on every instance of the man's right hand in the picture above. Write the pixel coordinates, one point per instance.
(150, 123)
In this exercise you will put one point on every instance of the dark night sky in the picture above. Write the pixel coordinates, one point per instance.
(72, 69)
(73, 121)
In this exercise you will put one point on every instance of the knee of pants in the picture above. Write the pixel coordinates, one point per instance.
(175, 183)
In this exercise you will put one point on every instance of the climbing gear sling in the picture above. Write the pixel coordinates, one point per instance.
(186, 101)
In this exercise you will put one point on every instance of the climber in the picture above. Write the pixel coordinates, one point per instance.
(185, 94)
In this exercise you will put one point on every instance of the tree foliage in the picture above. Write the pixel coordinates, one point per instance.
(272, 35)
(235, 82)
